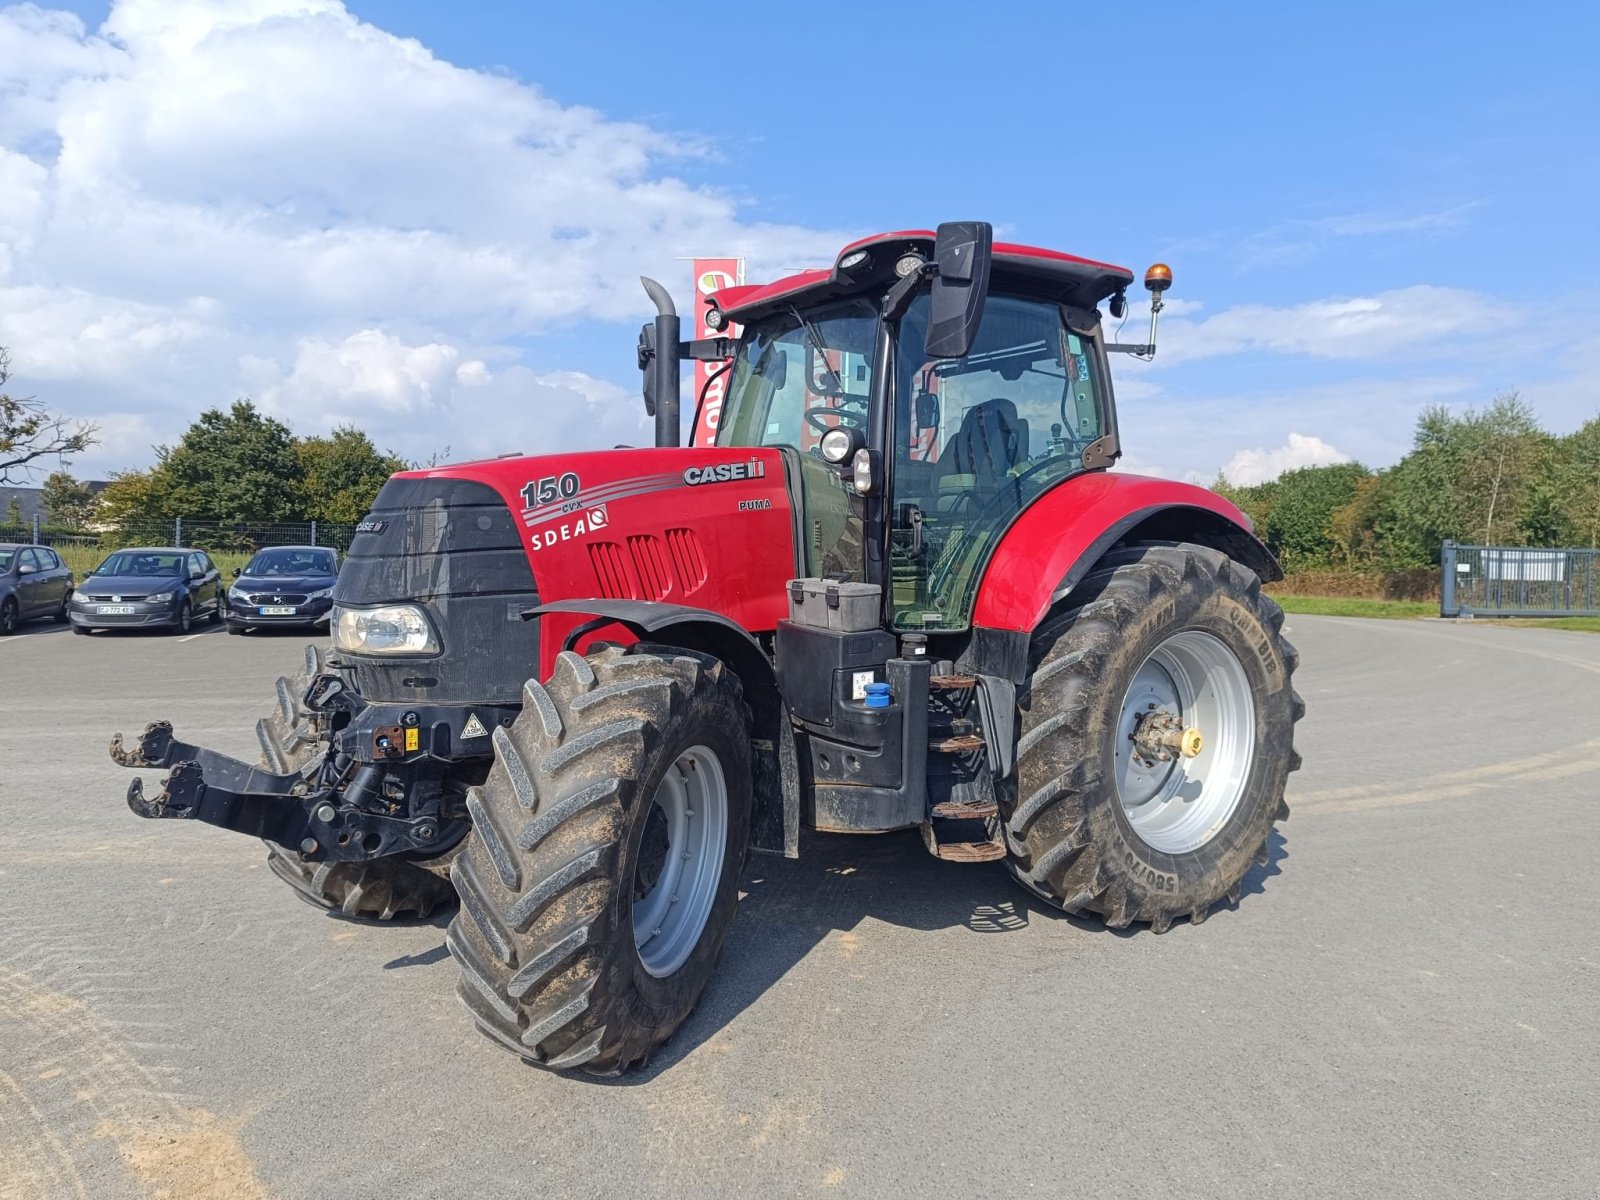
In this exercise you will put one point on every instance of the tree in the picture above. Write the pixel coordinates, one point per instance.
(237, 465)
(340, 474)
(30, 432)
(1298, 524)
(14, 514)
(66, 501)
(1573, 481)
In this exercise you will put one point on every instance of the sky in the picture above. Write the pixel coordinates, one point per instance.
(429, 219)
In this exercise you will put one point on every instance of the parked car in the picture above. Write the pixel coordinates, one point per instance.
(34, 583)
(165, 587)
(283, 585)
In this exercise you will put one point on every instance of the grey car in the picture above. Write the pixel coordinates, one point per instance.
(34, 583)
(168, 587)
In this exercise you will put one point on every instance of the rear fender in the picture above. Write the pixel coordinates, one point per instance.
(1060, 537)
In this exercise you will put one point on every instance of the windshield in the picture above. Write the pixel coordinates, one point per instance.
(976, 439)
(796, 378)
(141, 562)
(282, 561)
(5, 559)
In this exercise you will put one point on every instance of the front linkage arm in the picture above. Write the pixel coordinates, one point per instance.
(294, 810)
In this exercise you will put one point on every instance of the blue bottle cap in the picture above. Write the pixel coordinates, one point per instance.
(877, 695)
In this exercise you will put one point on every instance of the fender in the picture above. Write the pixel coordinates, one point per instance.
(1058, 538)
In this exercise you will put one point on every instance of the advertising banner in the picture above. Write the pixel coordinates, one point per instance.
(711, 275)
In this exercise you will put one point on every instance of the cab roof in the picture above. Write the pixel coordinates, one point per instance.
(1050, 273)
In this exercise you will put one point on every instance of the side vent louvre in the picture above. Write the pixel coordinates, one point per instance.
(611, 571)
(651, 566)
(687, 561)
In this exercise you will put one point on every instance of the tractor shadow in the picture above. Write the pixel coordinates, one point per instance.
(790, 907)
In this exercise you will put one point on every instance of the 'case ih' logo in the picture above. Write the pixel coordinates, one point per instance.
(725, 472)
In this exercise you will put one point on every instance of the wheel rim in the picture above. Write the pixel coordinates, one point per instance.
(185, 618)
(679, 862)
(1178, 802)
(8, 617)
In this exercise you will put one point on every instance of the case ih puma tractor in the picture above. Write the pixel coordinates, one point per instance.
(901, 591)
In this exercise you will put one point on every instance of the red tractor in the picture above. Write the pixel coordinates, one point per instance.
(901, 591)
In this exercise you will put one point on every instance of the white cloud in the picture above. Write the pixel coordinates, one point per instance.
(1249, 467)
(210, 197)
(1357, 327)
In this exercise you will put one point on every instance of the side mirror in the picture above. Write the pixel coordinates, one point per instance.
(963, 251)
(238, 571)
(647, 364)
(927, 410)
(26, 569)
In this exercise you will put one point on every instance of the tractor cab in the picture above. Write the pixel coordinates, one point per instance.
(927, 388)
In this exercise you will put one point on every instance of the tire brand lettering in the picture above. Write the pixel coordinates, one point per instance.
(725, 472)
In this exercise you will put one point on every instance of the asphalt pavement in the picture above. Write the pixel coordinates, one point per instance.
(1403, 1003)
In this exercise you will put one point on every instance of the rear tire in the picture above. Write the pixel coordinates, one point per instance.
(1188, 829)
(382, 889)
(572, 952)
(64, 613)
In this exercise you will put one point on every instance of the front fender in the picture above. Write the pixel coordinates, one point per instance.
(1061, 535)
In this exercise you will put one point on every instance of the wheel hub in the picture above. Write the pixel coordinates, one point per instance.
(679, 860)
(1185, 742)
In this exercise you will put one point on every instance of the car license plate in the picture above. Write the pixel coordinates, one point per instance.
(114, 610)
(278, 610)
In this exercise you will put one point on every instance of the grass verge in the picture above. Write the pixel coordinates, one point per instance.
(1346, 606)
(1350, 606)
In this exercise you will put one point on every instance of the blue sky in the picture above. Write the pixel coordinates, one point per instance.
(1367, 207)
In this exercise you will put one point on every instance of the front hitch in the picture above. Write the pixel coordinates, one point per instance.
(292, 809)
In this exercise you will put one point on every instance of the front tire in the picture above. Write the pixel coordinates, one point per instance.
(1163, 641)
(601, 873)
(185, 619)
(10, 618)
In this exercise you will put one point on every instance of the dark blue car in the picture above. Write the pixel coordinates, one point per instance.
(284, 585)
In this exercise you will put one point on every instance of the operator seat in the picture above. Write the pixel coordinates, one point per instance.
(991, 441)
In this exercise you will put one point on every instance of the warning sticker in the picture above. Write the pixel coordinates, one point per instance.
(473, 728)
(413, 739)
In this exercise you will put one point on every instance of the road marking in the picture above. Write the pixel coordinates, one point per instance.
(1581, 759)
(203, 633)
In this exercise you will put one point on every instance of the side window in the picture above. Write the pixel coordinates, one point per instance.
(205, 562)
(28, 559)
(194, 566)
(48, 560)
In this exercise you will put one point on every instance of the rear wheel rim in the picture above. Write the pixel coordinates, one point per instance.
(679, 864)
(1179, 804)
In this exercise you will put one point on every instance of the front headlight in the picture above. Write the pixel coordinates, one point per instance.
(233, 591)
(392, 629)
(320, 594)
(159, 598)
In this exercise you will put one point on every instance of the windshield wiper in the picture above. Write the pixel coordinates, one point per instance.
(822, 351)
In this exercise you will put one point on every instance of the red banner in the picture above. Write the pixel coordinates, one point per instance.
(711, 275)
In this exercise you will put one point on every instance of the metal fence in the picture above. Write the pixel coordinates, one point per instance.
(230, 544)
(1518, 581)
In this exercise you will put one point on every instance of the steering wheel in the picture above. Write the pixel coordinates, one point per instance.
(816, 418)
